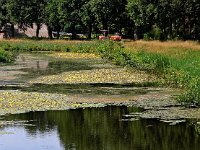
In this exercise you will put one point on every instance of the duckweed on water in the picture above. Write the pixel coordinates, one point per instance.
(69, 55)
(117, 76)
(16, 101)
(13, 102)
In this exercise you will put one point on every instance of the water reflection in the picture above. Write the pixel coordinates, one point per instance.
(100, 129)
(32, 65)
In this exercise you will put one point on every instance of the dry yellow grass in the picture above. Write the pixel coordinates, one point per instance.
(168, 47)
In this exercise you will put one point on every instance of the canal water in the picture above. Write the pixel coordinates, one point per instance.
(94, 129)
(106, 128)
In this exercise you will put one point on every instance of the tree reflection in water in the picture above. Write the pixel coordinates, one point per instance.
(103, 129)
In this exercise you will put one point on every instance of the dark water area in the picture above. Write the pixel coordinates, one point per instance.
(94, 129)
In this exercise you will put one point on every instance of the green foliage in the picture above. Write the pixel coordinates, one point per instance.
(3, 16)
(141, 11)
(6, 56)
(155, 34)
(162, 20)
(31, 45)
(147, 37)
(153, 62)
(53, 17)
(192, 95)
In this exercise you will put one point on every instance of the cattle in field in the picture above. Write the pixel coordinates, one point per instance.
(102, 37)
(115, 38)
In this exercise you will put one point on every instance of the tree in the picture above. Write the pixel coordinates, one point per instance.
(37, 13)
(69, 10)
(3, 13)
(103, 12)
(87, 17)
(143, 13)
(53, 18)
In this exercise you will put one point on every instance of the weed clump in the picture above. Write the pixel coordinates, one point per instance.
(6, 56)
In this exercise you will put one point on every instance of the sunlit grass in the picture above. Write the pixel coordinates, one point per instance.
(38, 45)
(158, 46)
(184, 64)
(183, 55)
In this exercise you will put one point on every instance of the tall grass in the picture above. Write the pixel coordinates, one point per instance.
(37, 45)
(183, 69)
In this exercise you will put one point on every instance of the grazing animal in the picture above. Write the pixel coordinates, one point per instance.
(102, 37)
(116, 38)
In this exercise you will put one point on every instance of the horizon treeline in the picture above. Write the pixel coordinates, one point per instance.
(148, 19)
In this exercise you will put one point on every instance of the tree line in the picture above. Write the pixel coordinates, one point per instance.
(149, 19)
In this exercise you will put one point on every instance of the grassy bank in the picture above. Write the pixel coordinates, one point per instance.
(178, 63)
(37, 45)
(183, 70)
(5, 56)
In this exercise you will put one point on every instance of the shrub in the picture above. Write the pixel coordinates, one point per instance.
(6, 56)
(192, 94)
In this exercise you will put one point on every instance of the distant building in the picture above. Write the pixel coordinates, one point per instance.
(27, 31)
(2, 34)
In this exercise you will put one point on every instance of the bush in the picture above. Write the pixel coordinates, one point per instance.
(155, 34)
(147, 36)
(6, 56)
(192, 95)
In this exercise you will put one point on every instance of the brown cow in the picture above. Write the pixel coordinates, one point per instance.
(102, 37)
(116, 38)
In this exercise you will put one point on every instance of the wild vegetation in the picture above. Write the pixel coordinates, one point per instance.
(152, 19)
(173, 62)
(183, 69)
(6, 56)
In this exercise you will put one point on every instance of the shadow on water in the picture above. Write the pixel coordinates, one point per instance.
(89, 89)
(98, 129)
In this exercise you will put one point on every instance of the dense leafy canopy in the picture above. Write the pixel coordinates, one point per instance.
(152, 19)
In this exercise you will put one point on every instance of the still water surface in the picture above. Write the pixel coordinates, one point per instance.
(83, 129)
(94, 129)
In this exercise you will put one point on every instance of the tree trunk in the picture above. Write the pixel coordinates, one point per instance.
(105, 26)
(195, 31)
(12, 31)
(136, 33)
(73, 32)
(50, 33)
(170, 29)
(37, 30)
(184, 33)
(189, 25)
(89, 31)
(58, 34)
